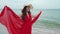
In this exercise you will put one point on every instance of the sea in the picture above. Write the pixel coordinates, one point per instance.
(47, 23)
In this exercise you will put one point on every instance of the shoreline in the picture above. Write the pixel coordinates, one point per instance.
(45, 31)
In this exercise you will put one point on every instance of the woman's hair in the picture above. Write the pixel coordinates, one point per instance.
(24, 12)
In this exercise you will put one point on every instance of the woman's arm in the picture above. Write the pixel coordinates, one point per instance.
(35, 18)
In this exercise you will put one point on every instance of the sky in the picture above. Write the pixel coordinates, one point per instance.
(37, 4)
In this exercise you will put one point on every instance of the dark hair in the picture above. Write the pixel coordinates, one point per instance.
(24, 12)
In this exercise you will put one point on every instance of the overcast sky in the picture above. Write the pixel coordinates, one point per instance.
(37, 4)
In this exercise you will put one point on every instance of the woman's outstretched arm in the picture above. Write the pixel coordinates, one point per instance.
(35, 18)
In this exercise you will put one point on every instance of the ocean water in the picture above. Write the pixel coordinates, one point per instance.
(49, 21)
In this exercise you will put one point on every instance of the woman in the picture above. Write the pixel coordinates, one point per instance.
(27, 18)
(14, 24)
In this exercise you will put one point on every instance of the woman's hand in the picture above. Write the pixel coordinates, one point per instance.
(40, 11)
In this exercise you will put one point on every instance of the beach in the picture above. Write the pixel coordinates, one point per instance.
(47, 23)
(45, 31)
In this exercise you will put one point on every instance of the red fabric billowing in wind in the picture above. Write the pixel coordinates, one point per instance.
(14, 23)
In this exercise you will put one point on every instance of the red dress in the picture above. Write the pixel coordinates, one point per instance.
(14, 23)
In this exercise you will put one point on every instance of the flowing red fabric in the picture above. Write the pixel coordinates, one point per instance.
(14, 23)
